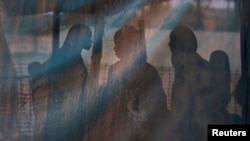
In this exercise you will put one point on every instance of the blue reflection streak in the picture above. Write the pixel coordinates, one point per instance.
(169, 23)
(73, 5)
(126, 13)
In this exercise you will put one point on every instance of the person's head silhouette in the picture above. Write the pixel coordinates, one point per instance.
(128, 44)
(182, 42)
(34, 69)
(78, 38)
(219, 62)
(183, 39)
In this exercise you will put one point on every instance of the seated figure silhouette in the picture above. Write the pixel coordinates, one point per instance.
(67, 76)
(192, 87)
(137, 102)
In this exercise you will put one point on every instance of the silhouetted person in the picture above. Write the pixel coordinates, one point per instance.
(220, 67)
(137, 102)
(67, 77)
(192, 87)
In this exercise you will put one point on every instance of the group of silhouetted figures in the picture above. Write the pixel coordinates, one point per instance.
(132, 107)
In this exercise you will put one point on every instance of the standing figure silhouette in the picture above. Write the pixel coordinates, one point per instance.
(137, 102)
(192, 88)
(67, 77)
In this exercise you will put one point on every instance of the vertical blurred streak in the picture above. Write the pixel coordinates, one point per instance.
(245, 54)
(8, 91)
(199, 23)
(56, 28)
(237, 13)
(97, 49)
(142, 30)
